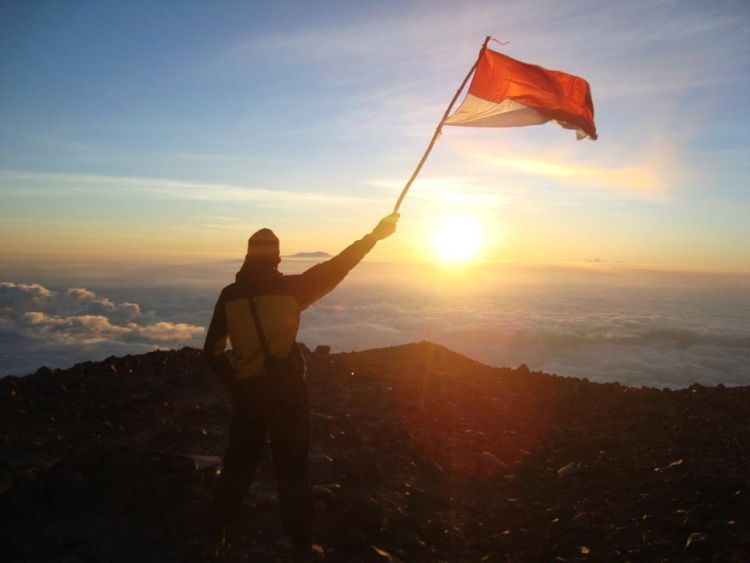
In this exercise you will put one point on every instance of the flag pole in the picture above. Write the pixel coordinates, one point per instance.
(439, 127)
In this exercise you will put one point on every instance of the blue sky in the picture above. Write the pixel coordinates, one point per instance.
(170, 131)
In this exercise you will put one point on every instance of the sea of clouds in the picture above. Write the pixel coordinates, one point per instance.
(663, 331)
(634, 341)
(40, 326)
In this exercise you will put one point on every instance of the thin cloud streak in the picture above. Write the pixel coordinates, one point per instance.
(446, 189)
(37, 183)
(651, 172)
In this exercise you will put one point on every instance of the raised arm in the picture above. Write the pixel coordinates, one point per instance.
(313, 284)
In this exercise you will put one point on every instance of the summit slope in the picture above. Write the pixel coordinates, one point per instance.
(419, 454)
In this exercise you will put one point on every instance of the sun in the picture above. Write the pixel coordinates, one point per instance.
(457, 239)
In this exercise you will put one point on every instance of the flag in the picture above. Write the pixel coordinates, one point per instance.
(509, 93)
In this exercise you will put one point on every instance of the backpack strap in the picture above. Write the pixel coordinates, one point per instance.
(259, 328)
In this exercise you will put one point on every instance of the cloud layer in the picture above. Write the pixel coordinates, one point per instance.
(40, 326)
(657, 329)
(668, 336)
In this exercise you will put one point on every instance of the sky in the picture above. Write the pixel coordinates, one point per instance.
(165, 133)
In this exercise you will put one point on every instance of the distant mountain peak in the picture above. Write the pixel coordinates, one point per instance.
(316, 254)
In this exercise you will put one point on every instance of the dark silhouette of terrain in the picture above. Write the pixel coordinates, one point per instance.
(419, 454)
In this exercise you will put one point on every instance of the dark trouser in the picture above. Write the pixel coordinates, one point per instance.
(263, 406)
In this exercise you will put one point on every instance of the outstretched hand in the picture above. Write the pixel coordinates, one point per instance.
(386, 227)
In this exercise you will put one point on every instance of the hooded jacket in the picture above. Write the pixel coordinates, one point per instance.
(279, 300)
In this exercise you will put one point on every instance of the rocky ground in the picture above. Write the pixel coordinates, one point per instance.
(419, 454)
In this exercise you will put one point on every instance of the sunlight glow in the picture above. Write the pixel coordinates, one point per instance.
(457, 239)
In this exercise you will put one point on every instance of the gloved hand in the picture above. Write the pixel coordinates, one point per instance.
(386, 227)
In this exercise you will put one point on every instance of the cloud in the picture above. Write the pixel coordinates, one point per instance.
(669, 357)
(22, 297)
(80, 294)
(55, 328)
(650, 169)
(501, 177)
(604, 330)
(640, 328)
(34, 184)
(446, 189)
(167, 331)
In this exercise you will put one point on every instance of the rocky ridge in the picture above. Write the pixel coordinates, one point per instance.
(419, 454)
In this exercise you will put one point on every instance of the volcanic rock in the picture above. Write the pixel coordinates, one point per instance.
(417, 454)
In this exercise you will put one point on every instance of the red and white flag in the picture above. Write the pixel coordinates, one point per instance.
(508, 93)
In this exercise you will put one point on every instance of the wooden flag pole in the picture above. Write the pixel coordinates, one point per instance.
(438, 129)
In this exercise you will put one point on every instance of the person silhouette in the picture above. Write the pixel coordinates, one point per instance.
(265, 374)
